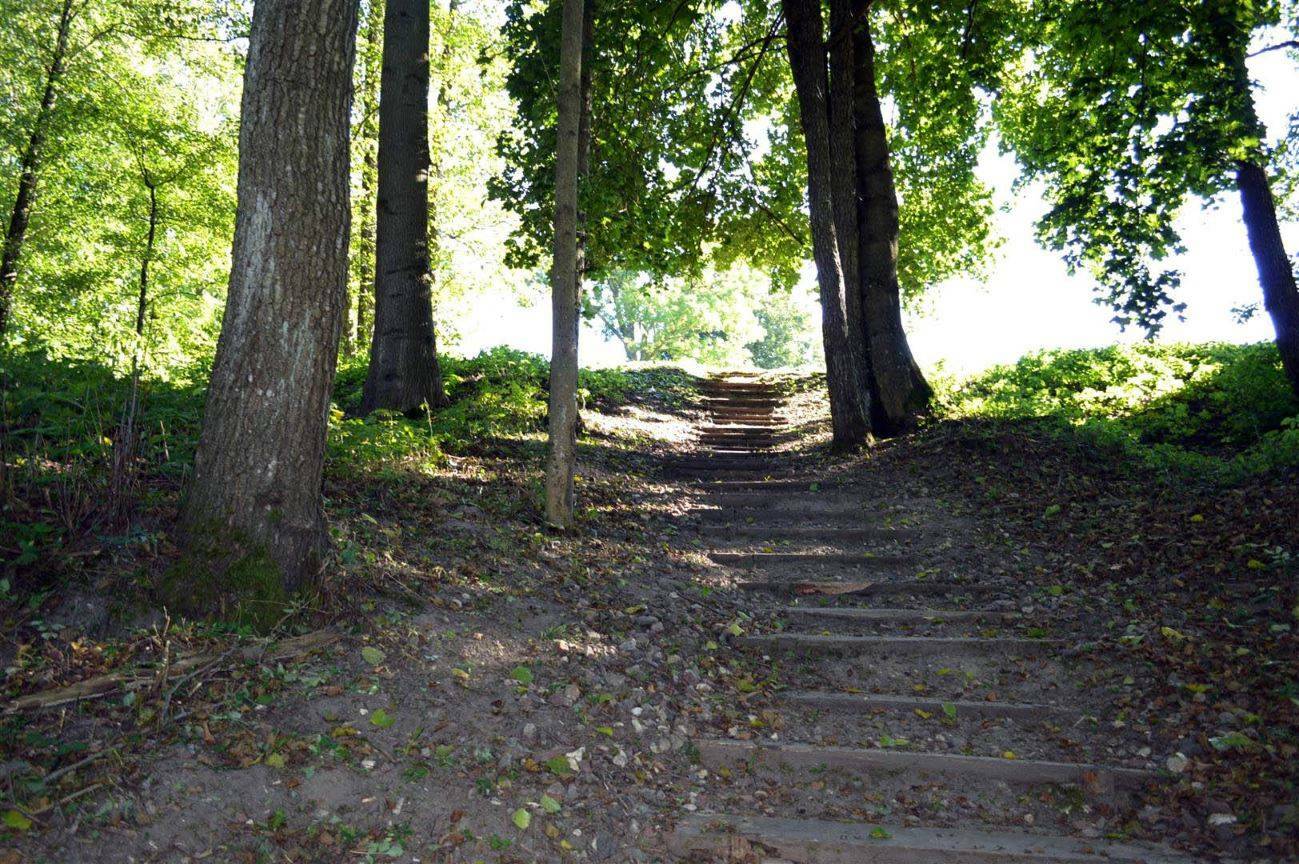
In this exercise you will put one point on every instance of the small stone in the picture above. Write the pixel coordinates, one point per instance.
(1177, 763)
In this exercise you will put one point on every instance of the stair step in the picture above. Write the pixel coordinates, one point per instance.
(812, 841)
(815, 645)
(1097, 779)
(784, 485)
(813, 533)
(896, 616)
(872, 702)
(828, 588)
(811, 559)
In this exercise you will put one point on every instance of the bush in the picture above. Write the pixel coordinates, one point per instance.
(1223, 409)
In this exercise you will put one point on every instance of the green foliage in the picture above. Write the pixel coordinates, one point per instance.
(60, 417)
(150, 94)
(790, 337)
(1216, 410)
(698, 154)
(1125, 116)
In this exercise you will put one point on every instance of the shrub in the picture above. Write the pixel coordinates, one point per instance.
(1225, 410)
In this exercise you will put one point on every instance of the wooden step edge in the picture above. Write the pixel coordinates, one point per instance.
(815, 841)
(778, 533)
(872, 702)
(809, 559)
(814, 644)
(1098, 779)
(873, 615)
(829, 589)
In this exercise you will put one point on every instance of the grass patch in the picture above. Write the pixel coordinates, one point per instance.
(1217, 411)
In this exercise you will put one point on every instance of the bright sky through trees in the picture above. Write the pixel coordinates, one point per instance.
(1030, 300)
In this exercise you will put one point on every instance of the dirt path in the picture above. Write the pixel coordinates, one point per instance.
(905, 704)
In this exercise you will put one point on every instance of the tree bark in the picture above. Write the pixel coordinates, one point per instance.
(21, 215)
(1275, 273)
(849, 401)
(899, 387)
(843, 134)
(564, 275)
(254, 506)
(403, 374)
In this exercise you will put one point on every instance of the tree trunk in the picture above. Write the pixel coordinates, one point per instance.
(21, 214)
(367, 133)
(899, 386)
(1275, 273)
(564, 275)
(403, 373)
(849, 401)
(845, 193)
(126, 441)
(253, 517)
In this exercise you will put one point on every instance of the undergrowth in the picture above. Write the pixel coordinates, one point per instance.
(60, 421)
(1213, 411)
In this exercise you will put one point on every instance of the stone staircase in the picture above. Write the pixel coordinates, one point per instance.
(886, 750)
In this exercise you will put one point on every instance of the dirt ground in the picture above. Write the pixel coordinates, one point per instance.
(482, 690)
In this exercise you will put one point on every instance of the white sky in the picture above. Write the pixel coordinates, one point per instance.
(1029, 301)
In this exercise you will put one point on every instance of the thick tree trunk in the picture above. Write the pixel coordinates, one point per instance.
(564, 275)
(253, 519)
(1275, 273)
(843, 135)
(849, 400)
(21, 215)
(403, 373)
(899, 387)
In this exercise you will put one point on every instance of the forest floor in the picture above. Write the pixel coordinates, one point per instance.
(478, 689)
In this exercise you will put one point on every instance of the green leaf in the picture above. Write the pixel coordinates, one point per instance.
(17, 821)
(949, 709)
(522, 674)
(372, 655)
(275, 760)
(558, 765)
(1232, 741)
(382, 719)
(878, 833)
(550, 805)
(522, 819)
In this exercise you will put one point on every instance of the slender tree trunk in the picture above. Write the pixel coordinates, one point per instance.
(1275, 272)
(564, 275)
(849, 401)
(21, 214)
(899, 386)
(126, 442)
(367, 133)
(403, 373)
(253, 517)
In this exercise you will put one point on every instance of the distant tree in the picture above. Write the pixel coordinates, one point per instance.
(1127, 110)
(253, 515)
(707, 318)
(403, 373)
(788, 334)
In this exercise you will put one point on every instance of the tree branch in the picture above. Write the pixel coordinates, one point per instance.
(1280, 46)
